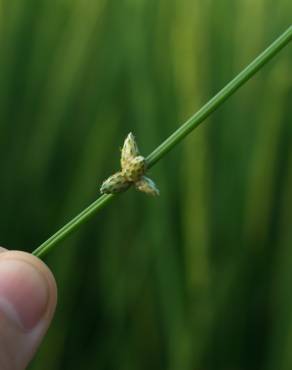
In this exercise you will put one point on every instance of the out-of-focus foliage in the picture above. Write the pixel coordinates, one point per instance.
(199, 278)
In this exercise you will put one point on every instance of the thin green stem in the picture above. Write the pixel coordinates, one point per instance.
(173, 139)
(72, 225)
(220, 97)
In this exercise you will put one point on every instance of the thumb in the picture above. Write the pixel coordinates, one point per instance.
(28, 298)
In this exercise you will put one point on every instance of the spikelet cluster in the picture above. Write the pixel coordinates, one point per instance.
(133, 168)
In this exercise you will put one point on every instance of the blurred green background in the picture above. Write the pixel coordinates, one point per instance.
(199, 278)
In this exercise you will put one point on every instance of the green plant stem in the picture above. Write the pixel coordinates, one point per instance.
(72, 225)
(173, 139)
(220, 97)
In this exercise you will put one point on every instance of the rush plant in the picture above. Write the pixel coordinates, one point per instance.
(172, 140)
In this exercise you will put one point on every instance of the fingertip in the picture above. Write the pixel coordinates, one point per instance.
(28, 297)
(42, 269)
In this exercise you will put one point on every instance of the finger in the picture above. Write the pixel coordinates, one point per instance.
(28, 298)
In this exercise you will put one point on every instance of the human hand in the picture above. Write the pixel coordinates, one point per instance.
(28, 297)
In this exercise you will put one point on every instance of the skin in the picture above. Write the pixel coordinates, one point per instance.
(28, 297)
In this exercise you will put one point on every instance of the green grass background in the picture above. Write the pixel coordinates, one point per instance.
(199, 278)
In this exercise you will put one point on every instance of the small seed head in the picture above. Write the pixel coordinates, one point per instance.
(134, 169)
(115, 184)
(147, 186)
(130, 150)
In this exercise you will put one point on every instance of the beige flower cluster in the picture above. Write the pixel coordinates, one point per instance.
(134, 167)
